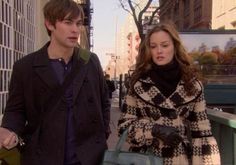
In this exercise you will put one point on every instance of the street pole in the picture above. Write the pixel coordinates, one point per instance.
(115, 50)
(115, 71)
(114, 57)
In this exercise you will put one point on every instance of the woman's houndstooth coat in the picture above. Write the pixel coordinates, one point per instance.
(146, 106)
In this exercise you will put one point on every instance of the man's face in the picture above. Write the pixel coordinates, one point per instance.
(66, 33)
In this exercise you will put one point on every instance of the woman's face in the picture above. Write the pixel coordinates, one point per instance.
(161, 47)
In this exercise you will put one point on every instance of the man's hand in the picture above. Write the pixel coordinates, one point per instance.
(8, 139)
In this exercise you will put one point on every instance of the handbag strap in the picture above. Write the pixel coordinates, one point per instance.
(122, 140)
(114, 157)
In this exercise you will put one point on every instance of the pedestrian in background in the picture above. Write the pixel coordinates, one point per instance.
(55, 109)
(110, 85)
(165, 110)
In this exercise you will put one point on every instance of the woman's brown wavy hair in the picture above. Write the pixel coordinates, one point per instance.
(144, 58)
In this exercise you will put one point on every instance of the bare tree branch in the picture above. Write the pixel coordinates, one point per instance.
(124, 7)
(137, 12)
(136, 5)
(140, 17)
(144, 10)
(153, 15)
(137, 22)
(132, 9)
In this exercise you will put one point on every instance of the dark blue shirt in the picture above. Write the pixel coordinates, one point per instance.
(62, 69)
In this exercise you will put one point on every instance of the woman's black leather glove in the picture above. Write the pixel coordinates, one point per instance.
(169, 135)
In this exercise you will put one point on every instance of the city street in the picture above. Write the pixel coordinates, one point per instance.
(115, 114)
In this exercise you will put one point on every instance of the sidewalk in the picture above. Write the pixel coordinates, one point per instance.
(115, 115)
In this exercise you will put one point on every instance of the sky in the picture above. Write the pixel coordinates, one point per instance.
(106, 17)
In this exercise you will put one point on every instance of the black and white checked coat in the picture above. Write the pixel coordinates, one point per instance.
(147, 106)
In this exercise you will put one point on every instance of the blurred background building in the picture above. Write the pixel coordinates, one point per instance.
(199, 14)
(187, 15)
(22, 30)
(127, 43)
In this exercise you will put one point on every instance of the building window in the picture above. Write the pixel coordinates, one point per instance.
(221, 28)
(197, 14)
(233, 24)
(186, 7)
(197, 3)
(176, 11)
(186, 23)
(15, 39)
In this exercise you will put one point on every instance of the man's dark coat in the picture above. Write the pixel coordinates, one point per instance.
(38, 113)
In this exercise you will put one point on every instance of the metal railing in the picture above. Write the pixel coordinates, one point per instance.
(220, 74)
(224, 130)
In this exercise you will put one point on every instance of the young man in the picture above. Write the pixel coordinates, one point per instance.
(54, 104)
(110, 85)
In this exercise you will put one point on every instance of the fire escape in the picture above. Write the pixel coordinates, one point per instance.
(86, 37)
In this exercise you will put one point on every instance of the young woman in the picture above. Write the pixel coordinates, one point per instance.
(165, 109)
